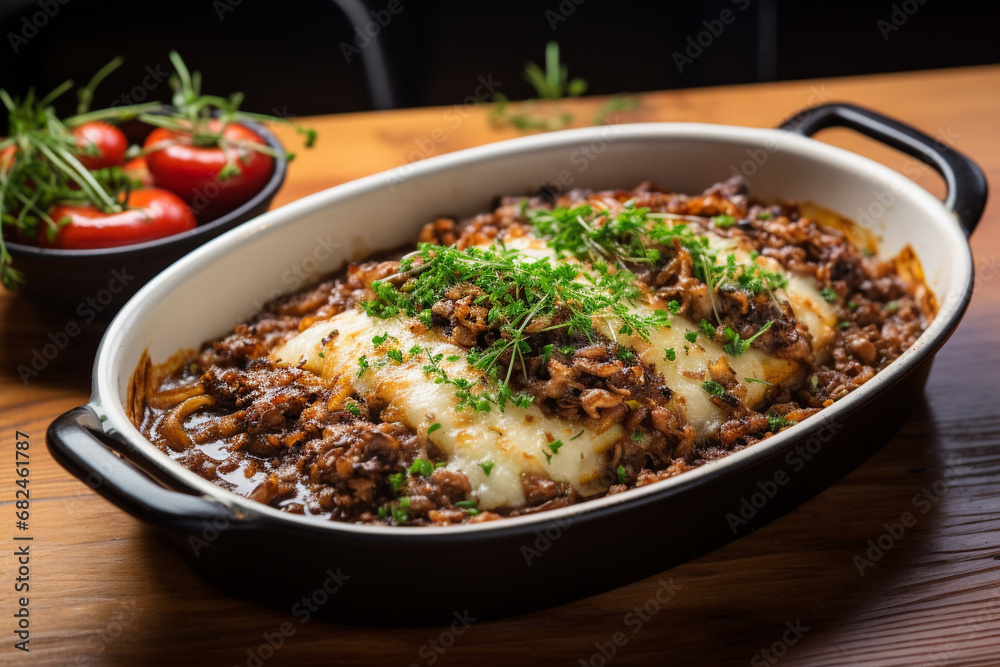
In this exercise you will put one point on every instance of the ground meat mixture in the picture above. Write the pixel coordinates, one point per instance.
(287, 438)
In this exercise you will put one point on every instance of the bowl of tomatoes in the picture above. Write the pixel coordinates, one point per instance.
(96, 204)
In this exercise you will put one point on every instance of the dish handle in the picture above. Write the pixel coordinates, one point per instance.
(967, 187)
(75, 440)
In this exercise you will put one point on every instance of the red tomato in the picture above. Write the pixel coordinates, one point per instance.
(138, 170)
(193, 171)
(109, 141)
(7, 158)
(152, 214)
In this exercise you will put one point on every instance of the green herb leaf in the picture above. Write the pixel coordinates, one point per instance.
(396, 479)
(713, 388)
(422, 467)
(723, 221)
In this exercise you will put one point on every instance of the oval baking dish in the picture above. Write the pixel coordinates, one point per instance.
(538, 560)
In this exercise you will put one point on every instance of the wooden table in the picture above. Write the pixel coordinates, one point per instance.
(105, 589)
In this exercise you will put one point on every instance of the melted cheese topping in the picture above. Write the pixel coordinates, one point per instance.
(515, 440)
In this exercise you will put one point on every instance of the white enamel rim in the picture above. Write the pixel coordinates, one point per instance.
(108, 402)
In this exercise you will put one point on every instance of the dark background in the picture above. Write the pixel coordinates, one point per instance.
(287, 56)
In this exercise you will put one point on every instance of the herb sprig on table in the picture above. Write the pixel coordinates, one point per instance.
(551, 85)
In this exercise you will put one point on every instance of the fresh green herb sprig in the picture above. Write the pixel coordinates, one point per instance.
(735, 346)
(206, 117)
(40, 165)
(713, 388)
(636, 236)
(516, 290)
(777, 422)
(552, 84)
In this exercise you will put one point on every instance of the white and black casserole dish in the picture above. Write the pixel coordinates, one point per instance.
(518, 564)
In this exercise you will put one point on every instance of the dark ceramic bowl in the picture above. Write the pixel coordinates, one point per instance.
(80, 282)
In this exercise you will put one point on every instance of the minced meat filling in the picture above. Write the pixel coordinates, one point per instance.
(288, 438)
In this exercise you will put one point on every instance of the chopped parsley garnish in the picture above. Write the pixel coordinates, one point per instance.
(758, 381)
(546, 353)
(363, 365)
(624, 354)
(829, 294)
(637, 436)
(691, 336)
(422, 467)
(636, 236)
(469, 506)
(713, 388)
(353, 408)
(568, 350)
(891, 306)
(853, 305)
(674, 306)
(765, 215)
(487, 467)
(669, 354)
(577, 435)
(706, 328)
(735, 346)
(400, 511)
(396, 479)
(723, 221)
(843, 325)
(433, 427)
(396, 355)
(380, 339)
(622, 474)
(516, 290)
(555, 445)
(777, 422)
(383, 512)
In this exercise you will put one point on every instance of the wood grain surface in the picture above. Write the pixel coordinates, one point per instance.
(107, 590)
